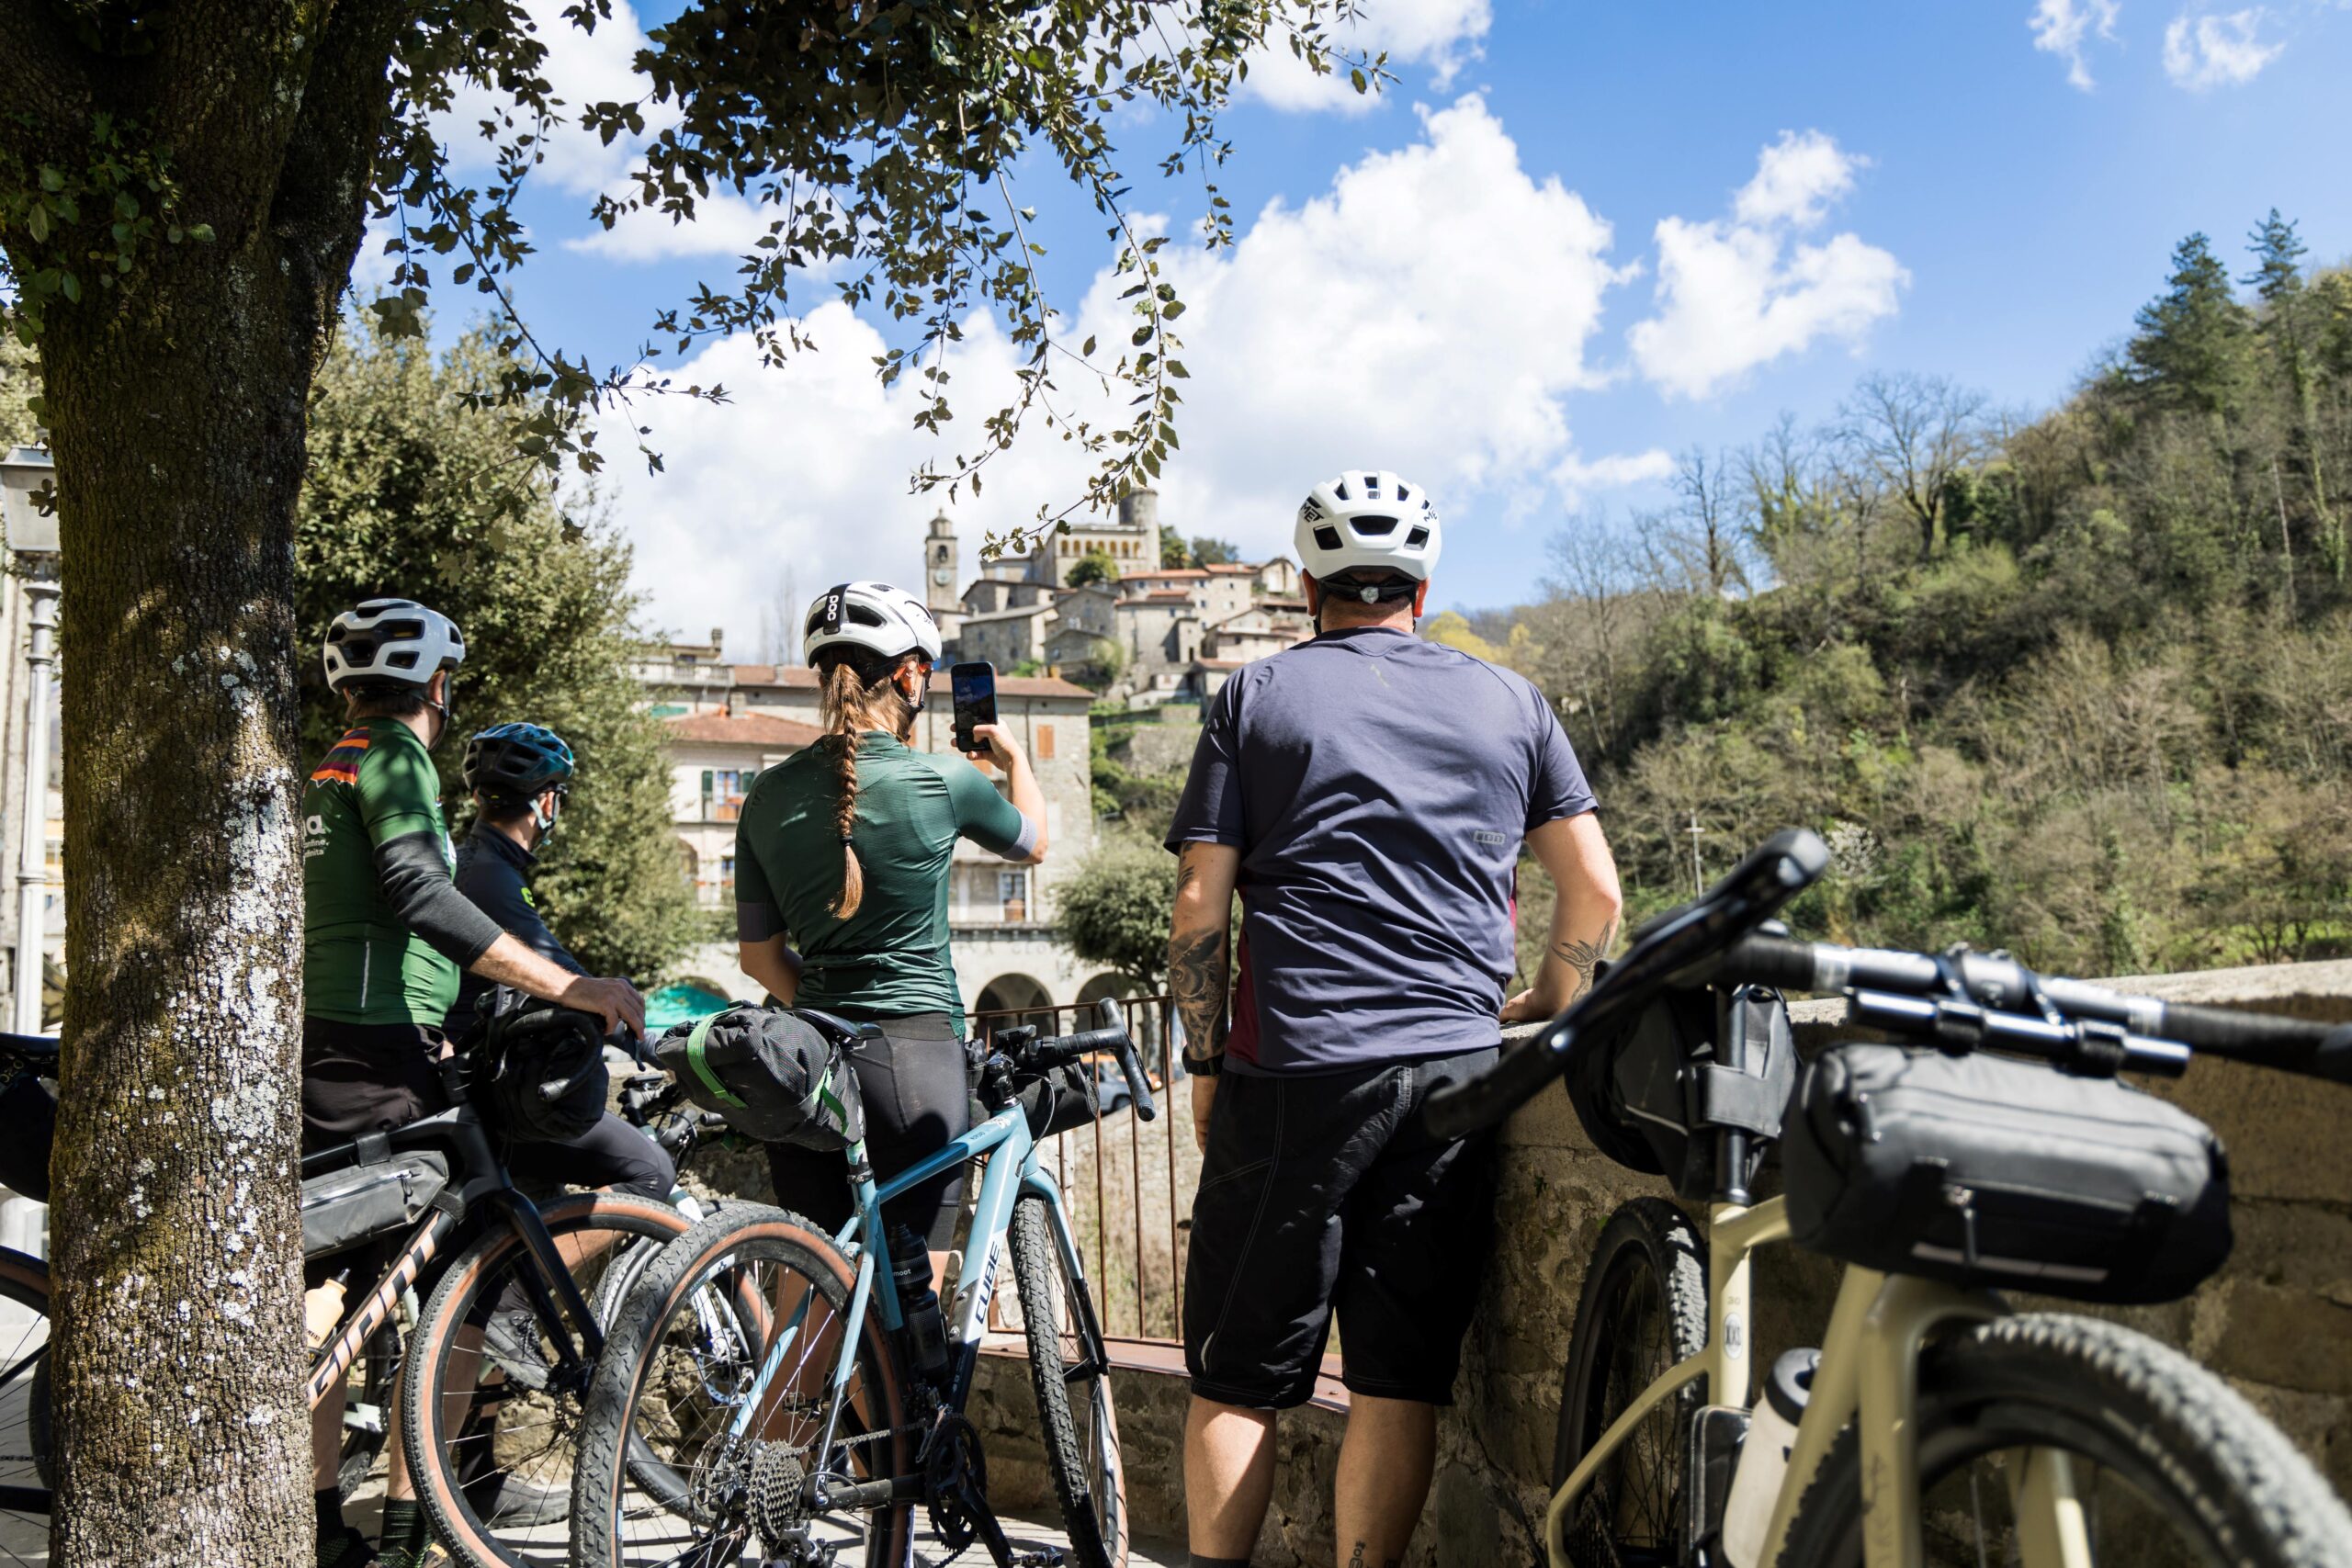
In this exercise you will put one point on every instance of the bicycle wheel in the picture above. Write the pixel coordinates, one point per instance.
(669, 1383)
(1080, 1426)
(2171, 1466)
(488, 1432)
(1643, 1308)
(24, 1407)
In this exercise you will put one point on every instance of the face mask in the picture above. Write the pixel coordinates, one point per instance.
(544, 822)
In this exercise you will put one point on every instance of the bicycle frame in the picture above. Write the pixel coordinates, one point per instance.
(1014, 1170)
(1868, 1376)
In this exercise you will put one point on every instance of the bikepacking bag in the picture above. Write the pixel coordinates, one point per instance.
(1988, 1170)
(1061, 1100)
(388, 1192)
(770, 1074)
(542, 1067)
(1652, 1095)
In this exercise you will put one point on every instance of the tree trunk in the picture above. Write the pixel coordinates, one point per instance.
(177, 1231)
(175, 403)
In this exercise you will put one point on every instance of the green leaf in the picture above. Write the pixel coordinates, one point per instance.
(37, 222)
(1143, 335)
(71, 286)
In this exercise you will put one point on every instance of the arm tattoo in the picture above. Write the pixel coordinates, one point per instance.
(1196, 975)
(1584, 956)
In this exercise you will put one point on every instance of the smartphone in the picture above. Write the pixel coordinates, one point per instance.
(975, 686)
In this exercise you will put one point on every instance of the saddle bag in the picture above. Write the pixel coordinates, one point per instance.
(1651, 1096)
(390, 1192)
(1983, 1170)
(770, 1073)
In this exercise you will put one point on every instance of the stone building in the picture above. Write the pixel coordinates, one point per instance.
(726, 722)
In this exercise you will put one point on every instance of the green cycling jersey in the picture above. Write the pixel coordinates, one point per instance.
(361, 963)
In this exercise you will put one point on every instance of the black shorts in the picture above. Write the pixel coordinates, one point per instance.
(365, 1077)
(1328, 1192)
(611, 1153)
(917, 1101)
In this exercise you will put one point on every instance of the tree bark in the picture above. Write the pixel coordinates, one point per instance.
(175, 406)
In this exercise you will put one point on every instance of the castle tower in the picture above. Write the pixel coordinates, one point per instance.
(941, 562)
(1140, 513)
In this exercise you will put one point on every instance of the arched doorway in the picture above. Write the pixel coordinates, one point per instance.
(1010, 1001)
(1143, 1017)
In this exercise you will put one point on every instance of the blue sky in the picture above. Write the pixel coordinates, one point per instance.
(1572, 239)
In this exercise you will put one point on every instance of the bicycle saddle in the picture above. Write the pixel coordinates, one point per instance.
(840, 1030)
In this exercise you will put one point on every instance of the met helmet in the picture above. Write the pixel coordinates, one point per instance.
(872, 617)
(390, 642)
(513, 763)
(1367, 521)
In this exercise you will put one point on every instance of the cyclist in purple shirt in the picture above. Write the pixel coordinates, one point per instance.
(1366, 793)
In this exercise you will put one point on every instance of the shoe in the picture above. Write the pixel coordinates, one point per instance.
(512, 1338)
(352, 1550)
(515, 1504)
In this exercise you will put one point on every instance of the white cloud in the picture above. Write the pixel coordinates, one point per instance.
(1443, 35)
(582, 68)
(2204, 52)
(1328, 337)
(2063, 27)
(1735, 294)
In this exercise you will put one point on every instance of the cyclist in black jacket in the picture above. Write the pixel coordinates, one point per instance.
(518, 775)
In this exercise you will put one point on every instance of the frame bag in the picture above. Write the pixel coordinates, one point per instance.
(770, 1074)
(1983, 1170)
(388, 1192)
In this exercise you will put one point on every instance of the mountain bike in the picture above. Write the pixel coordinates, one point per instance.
(1936, 1425)
(846, 1410)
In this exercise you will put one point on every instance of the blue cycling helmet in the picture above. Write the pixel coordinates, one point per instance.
(513, 765)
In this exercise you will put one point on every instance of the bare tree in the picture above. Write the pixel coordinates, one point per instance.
(1913, 434)
(1706, 533)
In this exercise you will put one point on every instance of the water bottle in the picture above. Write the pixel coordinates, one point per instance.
(1764, 1457)
(918, 1304)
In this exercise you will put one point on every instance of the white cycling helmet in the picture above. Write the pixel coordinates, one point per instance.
(391, 642)
(872, 615)
(1367, 520)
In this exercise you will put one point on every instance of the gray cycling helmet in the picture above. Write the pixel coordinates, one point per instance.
(390, 642)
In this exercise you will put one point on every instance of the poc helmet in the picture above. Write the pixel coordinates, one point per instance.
(513, 765)
(390, 642)
(1368, 521)
(873, 618)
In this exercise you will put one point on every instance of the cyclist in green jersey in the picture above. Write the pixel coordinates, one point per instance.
(385, 934)
(844, 848)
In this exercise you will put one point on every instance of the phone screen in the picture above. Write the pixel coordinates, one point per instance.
(975, 689)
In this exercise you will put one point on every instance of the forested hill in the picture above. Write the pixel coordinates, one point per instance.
(2078, 685)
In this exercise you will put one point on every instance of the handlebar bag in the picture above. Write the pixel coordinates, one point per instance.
(1983, 1170)
(542, 1067)
(770, 1073)
(1062, 1100)
(344, 1208)
(1652, 1094)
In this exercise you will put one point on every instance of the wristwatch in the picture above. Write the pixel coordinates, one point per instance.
(1205, 1066)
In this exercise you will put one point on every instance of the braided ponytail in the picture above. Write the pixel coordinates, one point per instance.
(852, 701)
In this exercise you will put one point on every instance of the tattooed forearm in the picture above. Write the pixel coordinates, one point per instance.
(1196, 976)
(1583, 958)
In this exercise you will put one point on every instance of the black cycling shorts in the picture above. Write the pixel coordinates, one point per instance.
(917, 1101)
(612, 1153)
(358, 1078)
(1328, 1193)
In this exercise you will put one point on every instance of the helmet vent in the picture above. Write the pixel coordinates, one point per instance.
(865, 615)
(1328, 536)
(1340, 489)
(1374, 525)
(402, 631)
(1417, 538)
(403, 659)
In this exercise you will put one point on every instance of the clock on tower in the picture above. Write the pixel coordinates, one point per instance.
(941, 559)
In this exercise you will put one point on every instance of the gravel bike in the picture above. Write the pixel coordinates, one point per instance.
(1936, 1425)
(821, 1435)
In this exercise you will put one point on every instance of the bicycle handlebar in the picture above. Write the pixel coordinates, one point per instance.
(1110, 1035)
(1973, 996)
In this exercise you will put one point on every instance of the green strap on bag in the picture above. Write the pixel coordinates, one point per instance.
(697, 1042)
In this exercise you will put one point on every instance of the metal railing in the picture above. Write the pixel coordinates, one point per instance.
(1129, 1188)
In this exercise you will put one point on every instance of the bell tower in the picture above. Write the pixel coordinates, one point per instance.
(941, 562)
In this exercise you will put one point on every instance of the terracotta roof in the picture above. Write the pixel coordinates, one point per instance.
(1185, 571)
(799, 677)
(1234, 566)
(1011, 611)
(742, 729)
(1160, 596)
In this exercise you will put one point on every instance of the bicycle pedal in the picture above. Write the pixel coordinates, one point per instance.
(1044, 1557)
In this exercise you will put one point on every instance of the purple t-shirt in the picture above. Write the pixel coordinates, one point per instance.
(1378, 787)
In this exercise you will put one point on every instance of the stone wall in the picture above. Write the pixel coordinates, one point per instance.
(2277, 1321)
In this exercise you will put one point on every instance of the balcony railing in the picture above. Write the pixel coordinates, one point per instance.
(1127, 1186)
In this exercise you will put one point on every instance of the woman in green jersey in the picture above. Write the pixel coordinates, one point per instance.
(841, 861)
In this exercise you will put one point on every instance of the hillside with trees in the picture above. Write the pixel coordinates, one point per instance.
(2079, 685)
